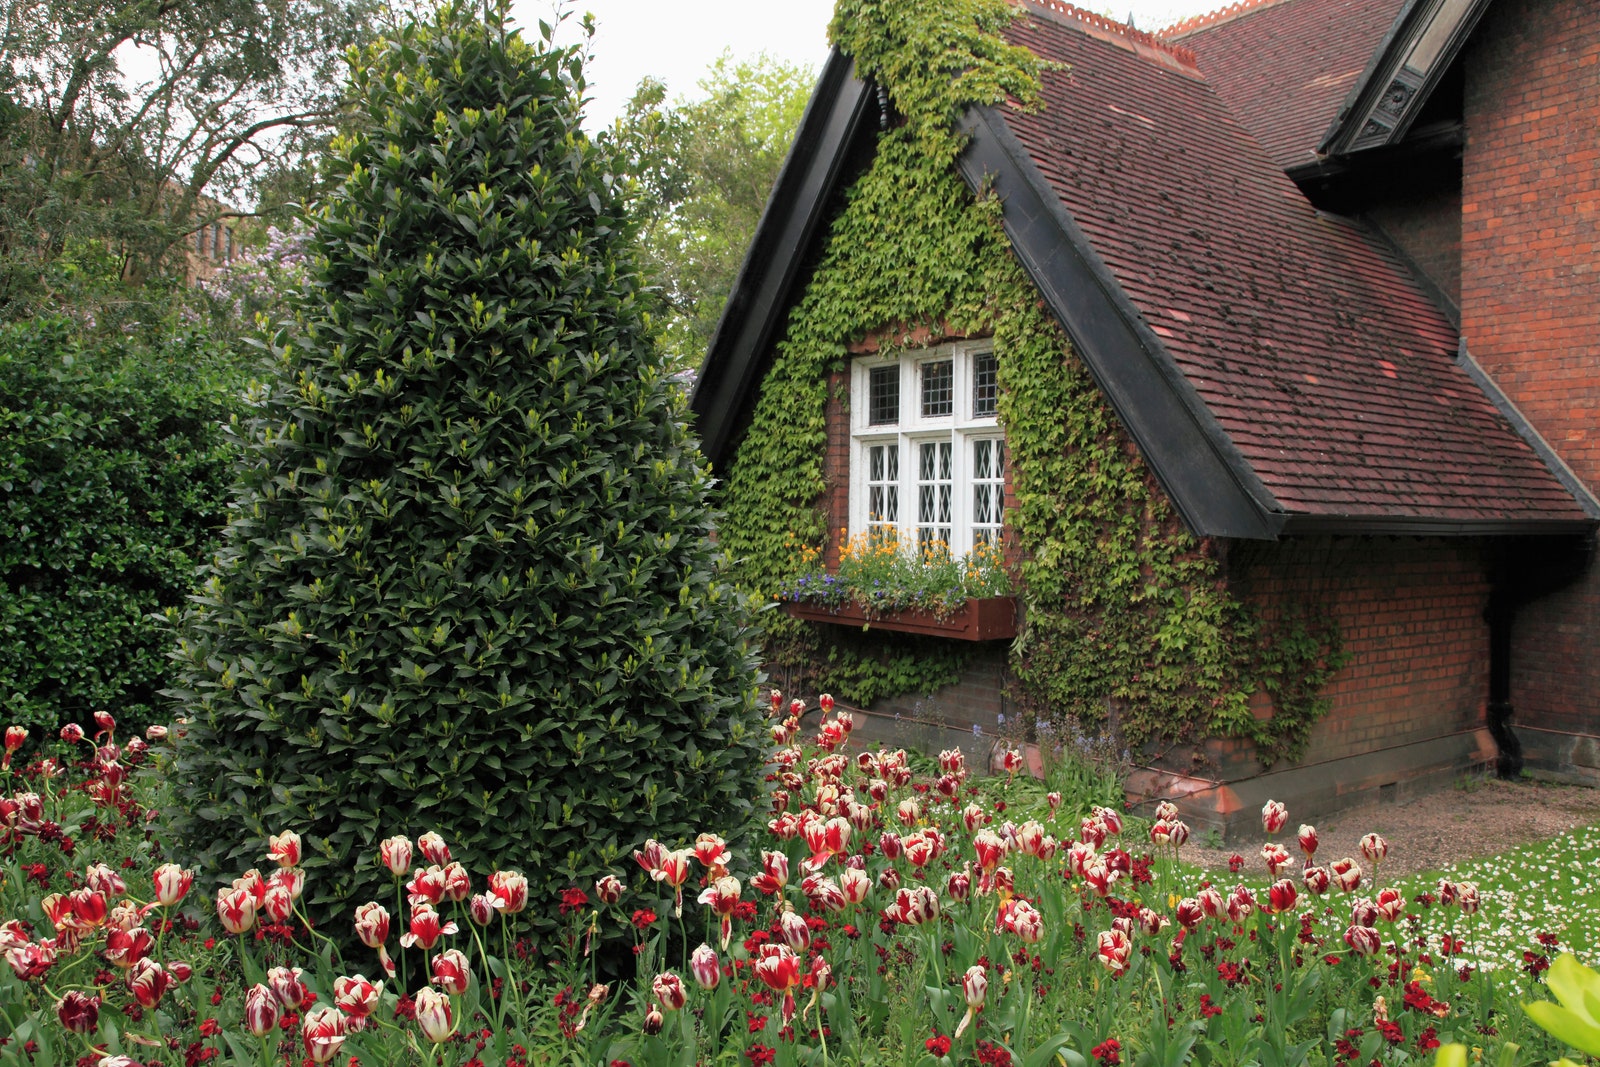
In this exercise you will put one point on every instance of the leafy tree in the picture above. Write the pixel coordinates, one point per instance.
(705, 168)
(469, 586)
(127, 124)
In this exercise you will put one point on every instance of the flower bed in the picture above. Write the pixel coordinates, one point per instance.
(882, 916)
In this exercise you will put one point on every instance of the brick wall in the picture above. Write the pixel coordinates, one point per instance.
(1426, 225)
(1411, 614)
(1530, 293)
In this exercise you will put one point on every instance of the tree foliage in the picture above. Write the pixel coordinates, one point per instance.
(127, 124)
(469, 586)
(705, 167)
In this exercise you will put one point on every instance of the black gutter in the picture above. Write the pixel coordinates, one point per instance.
(1214, 488)
(1303, 525)
(835, 120)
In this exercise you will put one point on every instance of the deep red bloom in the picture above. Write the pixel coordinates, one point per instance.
(1108, 1052)
(759, 1055)
(938, 1044)
(573, 899)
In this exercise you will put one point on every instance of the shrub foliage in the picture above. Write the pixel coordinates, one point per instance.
(113, 481)
(469, 587)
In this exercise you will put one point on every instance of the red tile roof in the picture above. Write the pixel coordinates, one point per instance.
(1309, 342)
(1284, 67)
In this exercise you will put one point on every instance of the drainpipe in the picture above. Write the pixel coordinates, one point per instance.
(1501, 613)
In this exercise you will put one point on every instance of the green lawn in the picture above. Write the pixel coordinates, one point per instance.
(1544, 887)
(1550, 887)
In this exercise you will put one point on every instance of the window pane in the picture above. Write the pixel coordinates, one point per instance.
(935, 492)
(938, 388)
(985, 387)
(883, 396)
(883, 490)
(988, 490)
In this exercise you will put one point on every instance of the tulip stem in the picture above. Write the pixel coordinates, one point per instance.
(400, 919)
(500, 1001)
(512, 986)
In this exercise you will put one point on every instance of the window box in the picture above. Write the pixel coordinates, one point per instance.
(989, 618)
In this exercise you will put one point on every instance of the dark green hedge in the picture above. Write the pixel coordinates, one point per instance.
(113, 483)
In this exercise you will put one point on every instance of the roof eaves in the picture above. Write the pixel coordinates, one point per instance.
(1212, 485)
(1307, 525)
(835, 119)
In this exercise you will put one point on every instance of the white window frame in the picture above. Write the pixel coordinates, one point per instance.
(961, 427)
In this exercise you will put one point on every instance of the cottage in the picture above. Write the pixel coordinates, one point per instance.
(1275, 334)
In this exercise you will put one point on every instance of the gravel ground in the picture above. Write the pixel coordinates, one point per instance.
(1479, 817)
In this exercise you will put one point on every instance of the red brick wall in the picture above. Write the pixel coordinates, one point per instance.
(1427, 227)
(1530, 296)
(1411, 615)
(1530, 293)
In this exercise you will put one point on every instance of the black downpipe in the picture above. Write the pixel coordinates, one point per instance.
(1501, 614)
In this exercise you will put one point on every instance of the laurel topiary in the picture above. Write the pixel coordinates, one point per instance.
(469, 586)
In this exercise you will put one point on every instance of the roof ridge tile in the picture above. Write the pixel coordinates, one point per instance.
(1213, 18)
(1102, 26)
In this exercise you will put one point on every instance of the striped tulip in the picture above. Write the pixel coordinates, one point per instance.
(260, 1010)
(451, 971)
(704, 967)
(1114, 950)
(434, 1017)
(395, 854)
(147, 981)
(357, 998)
(1273, 816)
(286, 985)
(284, 849)
(172, 884)
(426, 928)
(511, 887)
(322, 1030)
(236, 909)
(433, 849)
(669, 990)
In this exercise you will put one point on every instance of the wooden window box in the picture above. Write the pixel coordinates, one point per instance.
(983, 619)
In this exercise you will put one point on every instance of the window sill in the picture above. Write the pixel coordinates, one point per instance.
(983, 619)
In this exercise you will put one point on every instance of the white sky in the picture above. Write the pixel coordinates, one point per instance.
(676, 40)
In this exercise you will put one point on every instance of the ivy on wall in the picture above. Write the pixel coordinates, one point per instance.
(1128, 617)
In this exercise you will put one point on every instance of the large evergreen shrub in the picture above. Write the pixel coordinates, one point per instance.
(469, 587)
(114, 475)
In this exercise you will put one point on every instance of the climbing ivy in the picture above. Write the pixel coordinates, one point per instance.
(1128, 618)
